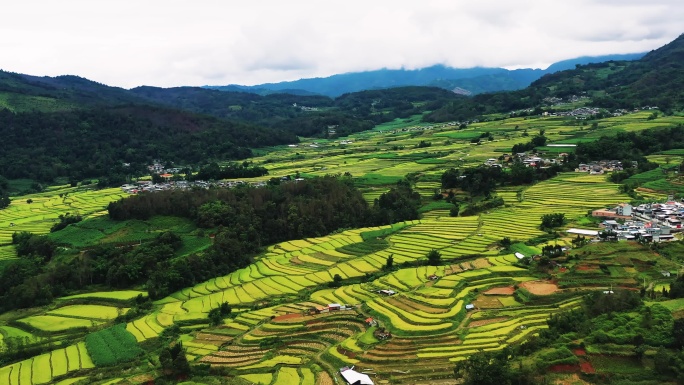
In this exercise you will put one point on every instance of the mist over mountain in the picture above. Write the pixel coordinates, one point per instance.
(657, 79)
(469, 80)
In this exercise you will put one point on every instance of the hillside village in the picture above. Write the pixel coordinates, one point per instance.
(652, 222)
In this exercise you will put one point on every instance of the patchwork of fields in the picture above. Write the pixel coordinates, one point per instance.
(42, 213)
(427, 318)
(275, 336)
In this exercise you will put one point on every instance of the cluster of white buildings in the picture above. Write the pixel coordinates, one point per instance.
(600, 167)
(635, 230)
(157, 167)
(577, 113)
(653, 222)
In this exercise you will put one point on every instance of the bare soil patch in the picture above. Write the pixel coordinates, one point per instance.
(539, 287)
(508, 290)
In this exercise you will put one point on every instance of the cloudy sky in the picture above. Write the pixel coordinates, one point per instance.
(169, 43)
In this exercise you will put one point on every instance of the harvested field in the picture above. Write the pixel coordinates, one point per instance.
(539, 287)
(287, 317)
(487, 303)
(483, 322)
(323, 378)
(481, 263)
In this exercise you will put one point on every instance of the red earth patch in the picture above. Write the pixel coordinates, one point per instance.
(587, 367)
(580, 352)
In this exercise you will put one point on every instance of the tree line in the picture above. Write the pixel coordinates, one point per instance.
(242, 221)
(213, 171)
(483, 180)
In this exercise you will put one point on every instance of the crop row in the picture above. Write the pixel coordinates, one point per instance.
(112, 345)
(43, 368)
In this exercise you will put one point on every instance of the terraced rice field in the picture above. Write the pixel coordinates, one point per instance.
(37, 217)
(426, 317)
(94, 312)
(425, 321)
(43, 368)
(57, 324)
(122, 295)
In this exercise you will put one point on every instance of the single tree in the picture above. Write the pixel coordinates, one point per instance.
(505, 243)
(390, 262)
(336, 282)
(434, 257)
(453, 212)
(678, 333)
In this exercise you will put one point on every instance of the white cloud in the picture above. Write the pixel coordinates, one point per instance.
(176, 42)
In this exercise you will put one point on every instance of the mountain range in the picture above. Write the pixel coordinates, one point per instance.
(75, 128)
(467, 81)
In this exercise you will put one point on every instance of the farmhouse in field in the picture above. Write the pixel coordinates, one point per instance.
(355, 378)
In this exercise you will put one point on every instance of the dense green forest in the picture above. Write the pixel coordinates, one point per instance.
(94, 143)
(304, 115)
